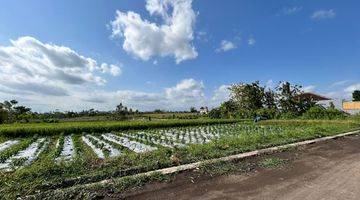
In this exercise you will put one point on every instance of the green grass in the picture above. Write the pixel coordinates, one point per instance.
(95, 191)
(27, 129)
(218, 168)
(45, 174)
(272, 162)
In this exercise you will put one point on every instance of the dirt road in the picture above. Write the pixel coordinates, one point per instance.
(327, 170)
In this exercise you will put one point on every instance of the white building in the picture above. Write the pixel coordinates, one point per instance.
(204, 110)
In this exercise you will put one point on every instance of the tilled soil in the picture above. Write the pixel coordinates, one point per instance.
(326, 170)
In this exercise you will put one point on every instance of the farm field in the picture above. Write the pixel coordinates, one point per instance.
(40, 161)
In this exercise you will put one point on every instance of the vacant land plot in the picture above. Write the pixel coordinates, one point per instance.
(43, 162)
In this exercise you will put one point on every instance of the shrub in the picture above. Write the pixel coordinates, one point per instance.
(287, 115)
(215, 113)
(268, 113)
(319, 112)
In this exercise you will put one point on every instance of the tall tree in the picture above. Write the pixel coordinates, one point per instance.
(356, 95)
(290, 99)
(270, 99)
(247, 97)
(287, 94)
(228, 109)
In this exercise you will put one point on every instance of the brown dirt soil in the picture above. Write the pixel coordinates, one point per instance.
(326, 170)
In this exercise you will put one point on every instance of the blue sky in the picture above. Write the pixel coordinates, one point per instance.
(172, 60)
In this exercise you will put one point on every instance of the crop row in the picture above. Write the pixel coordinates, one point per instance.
(18, 153)
(64, 160)
(49, 129)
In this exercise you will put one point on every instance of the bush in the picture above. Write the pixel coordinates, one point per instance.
(319, 112)
(287, 115)
(267, 112)
(215, 113)
(245, 114)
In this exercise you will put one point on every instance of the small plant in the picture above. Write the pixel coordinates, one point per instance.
(272, 162)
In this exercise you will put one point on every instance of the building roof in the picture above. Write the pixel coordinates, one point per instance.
(312, 96)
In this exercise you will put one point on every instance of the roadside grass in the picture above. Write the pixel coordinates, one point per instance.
(46, 175)
(273, 162)
(99, 191)
(218, 168)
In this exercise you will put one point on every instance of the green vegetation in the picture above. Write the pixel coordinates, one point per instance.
(218, 168)
(95, 191)
(27, 129)
(45, 174)
(4, 155)
(286, 101)
(272, 162)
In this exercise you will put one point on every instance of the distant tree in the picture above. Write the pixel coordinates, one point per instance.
(14, 102)
(12, 112)
(193, 110)
(19, 110)
(158, 111)
(121, 111)
(356, 95)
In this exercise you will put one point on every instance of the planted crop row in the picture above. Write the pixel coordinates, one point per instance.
(86, 167)
(47, 129)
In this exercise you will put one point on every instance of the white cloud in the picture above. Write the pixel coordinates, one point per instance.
(111, 69)
(323, 14)
(226, 45)
(188, 90)
(202, 36)
(251, 41)
(339, 83)
(182, 96)
(291, 10)
(145, 39)
(30, 66)
(309, 88)
(352, 88)
(221, 94)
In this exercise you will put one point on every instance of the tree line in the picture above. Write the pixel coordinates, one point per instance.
(248, 100)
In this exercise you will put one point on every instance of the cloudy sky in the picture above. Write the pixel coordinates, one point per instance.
(172, 54)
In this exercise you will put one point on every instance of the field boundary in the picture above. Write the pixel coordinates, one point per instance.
(192, 166)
